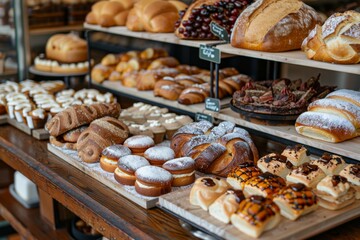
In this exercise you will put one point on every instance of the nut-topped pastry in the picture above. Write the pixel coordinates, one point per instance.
(276, 164)
(334, 192)
(206, 190)
(227, 204)
(297, 154)
(352, 174)
(296, 200)
(308, 174)
(240, 174)
(255, 215)
(265, 184)
(330, 164)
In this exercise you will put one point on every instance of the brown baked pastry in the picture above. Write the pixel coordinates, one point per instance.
(100, 73)
(225, 205)
(255, 215)
(274, 26)
(297, 154)
(163, 62)
(109, 13)
(238, 176)
(334, 192)
(66, 48)
(59, 142)
(206, 190)
(182, 170)
(325, 126)
(73, 135)
(346, 95)
(79, 115)
(146, 80)
(111, 155)
(100, 134)
(265, 184)
(276, 164)
(152, 181)
(352, 174)
(308, 174)
(336, 41)
(168, 89)
(127, 166)
(295, 200)
(194, 22)
(154, 15)
(330, 164)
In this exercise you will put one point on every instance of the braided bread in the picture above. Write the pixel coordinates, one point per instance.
(337, 41)
(100, 134)
(78, 115)
(215, 150)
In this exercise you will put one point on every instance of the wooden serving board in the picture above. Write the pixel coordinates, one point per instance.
(3, 119)
(94, 170)
(311, 224)
(21, 126)
(40, 134)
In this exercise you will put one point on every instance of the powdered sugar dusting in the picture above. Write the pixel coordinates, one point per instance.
(165, 143)
(132, 162)
(116, 151)
(325, 121)
(159, 153)
(228, 126)
(353, 31)
(347, 93)
(331, 23)
(139, 141)
(153, 174)
(179, 163)
(338, 104)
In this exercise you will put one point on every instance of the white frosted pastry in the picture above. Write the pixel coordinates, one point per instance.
(330, 164)
(307, 174)
(297, 154)
(352, 174)
(276, 164)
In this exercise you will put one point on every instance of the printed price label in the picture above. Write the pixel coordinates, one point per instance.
(212, 104)
(201, 116)
(219, 31)
(210, 54)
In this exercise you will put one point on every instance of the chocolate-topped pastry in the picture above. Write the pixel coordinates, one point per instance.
(206, 190)
(297, 154)
(334, 192)
(330, 164)
(295, 200)
(352, 173)
(276, 164)
(227, 204)
(265, 184)
(255, 215)
(240, 174)
(307, 173)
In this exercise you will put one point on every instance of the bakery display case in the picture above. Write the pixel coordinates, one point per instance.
(90, 190)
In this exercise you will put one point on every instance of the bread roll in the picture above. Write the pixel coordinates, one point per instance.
(274, 25)
(78, 115)
(324, 126)
(100, 134)
(346, 95)
(66, 48)
(337, 41)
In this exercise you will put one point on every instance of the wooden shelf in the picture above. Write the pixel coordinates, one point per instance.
(27, 222)
(50, 30)
(348, 148)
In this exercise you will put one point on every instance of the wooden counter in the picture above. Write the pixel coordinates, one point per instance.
(112, 215)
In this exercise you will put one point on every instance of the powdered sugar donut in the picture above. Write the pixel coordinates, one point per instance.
(139, 144)
(158, 155)
(182, 169)
(126, 168)
(152, 181)
(110, 156)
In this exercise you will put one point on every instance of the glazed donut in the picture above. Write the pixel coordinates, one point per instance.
(152, 181)
(158, 155)
(139, 144)
(126, 168)
(182, 170)
(110, 156)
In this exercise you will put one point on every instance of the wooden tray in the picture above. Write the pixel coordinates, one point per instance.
(314, 223)
(21, 126)
(3, 119)
(94, 170)
(40, 134)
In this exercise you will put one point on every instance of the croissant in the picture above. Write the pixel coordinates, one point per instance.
(167, 89)
(100, 134)
(78, 115)
(147, 79)
(337, 41)
(216, 151)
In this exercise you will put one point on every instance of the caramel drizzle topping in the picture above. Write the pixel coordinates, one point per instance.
(298, 196)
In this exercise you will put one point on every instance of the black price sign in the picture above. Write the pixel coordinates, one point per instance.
(219, 31)
(210, 54)
(201, 116)
(212, 104)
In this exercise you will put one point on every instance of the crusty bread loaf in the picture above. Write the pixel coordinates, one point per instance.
(337, 41)
(216, 151)
(100, 134)
(154, 15)
(66, 48)
(78, 115)
(109, 13)
(274, 25)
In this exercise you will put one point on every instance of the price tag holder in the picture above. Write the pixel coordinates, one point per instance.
(210, 54)
(201, 116)
(212, 104)
(219, 31)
